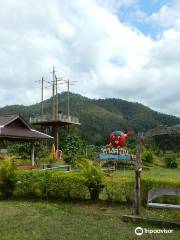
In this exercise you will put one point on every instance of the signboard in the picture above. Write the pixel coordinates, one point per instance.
(115, 149)
(109, 152)
(116, 157)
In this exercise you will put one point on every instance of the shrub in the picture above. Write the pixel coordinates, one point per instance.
(119, 189)
(122, 189)
(171, 162)
(70, 159)
(155, 183)
(176, 216)
(68, 185)
(30, 184)
(42, 184)
(93, 175)
(7, 170)
(147, 156)
(87, 183)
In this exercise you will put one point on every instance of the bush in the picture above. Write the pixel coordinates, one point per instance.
(30, 184)
(60, 185)
(147, 156)
(171, 162)
(93, 175)
(119, 189)
(122, 189)
(176, 216)
(42, 184)
(155, 183)
(67, 186)
(7, 170)
(70, 159)
(88, 183)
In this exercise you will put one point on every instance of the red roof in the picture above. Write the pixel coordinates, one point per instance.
(13, 126)
(5, 119)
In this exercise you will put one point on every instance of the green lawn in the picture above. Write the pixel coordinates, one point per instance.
(153, 171)
(21, 220)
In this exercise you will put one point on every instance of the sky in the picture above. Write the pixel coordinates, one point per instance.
(128, 49)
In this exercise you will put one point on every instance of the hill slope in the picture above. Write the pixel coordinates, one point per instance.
(99, 117)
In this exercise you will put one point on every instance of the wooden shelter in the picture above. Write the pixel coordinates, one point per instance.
(163, 130)
(55, 122)
(14, 127)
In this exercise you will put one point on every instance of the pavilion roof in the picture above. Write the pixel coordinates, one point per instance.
(15, 127)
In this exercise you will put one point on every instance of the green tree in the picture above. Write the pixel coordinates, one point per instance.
(168, 142)
(24, 150)
(73, 148)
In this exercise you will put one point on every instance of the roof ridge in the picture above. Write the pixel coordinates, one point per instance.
(10, 114)
(6, 119)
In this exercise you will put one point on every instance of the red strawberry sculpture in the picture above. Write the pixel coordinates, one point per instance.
(118, 139)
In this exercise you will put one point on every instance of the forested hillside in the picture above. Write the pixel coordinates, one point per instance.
(99, 117)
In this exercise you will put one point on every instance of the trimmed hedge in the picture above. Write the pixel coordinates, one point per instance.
(155, 183)
(30, 184)
(42, 184)
(72, 185)
(119, 189)
(67, 186)
(122, 189)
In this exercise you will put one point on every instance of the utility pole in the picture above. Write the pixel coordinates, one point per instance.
(138, 169)
(68, 110)
(55, 108)
(56, 97)
(53, 84)
(42, 96)
(68, 95)
(53, 94)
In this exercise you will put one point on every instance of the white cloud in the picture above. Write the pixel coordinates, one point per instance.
(114, 5)
(88, 43)
(167, 16)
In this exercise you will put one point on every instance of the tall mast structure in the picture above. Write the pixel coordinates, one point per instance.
(53, 95)
(68, 110)
(57, 103)
(54, 120)
(68, 94)
(42, 96)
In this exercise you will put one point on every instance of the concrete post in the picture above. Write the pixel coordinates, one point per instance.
(32, 154)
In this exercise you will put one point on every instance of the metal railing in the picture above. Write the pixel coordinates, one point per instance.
(61, 117)
(54, 167)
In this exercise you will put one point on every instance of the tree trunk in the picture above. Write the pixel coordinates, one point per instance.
(94, 194)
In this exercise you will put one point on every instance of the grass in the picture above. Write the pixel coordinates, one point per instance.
(152, 172)
(21, 220)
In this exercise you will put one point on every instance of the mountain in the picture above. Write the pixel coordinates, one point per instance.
(99, 117)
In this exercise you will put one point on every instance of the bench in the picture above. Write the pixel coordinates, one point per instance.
(154, 193)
